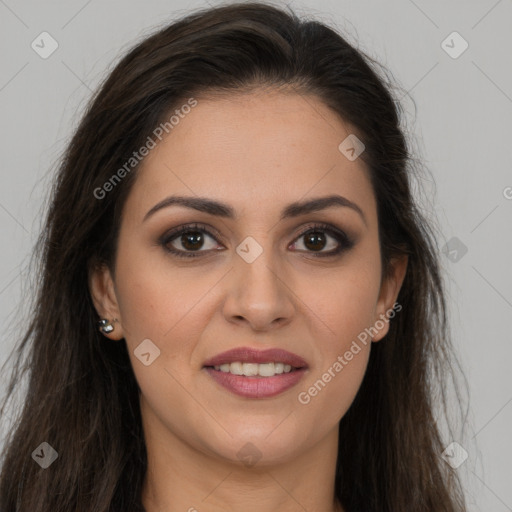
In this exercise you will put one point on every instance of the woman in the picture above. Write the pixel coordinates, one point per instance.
(240, 303)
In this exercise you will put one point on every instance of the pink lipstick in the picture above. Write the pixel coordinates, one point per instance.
(255, 373)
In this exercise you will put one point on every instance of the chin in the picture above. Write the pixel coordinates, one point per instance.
(263, 446)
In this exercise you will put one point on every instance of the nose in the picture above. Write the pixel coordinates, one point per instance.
(258, 294)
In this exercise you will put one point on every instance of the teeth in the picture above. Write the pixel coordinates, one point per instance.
(235, 368)
(266, 370)
(250, 369)
(254, 369)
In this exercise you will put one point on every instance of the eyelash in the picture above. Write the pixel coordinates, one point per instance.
(343, 239)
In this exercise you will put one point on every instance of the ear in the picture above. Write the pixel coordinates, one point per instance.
(102, 289)
(388, 294)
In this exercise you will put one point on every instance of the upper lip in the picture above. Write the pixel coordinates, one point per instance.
(251, 355)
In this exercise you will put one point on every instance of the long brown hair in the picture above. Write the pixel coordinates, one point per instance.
(82, 397)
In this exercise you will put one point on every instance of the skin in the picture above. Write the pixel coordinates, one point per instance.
(258, 152)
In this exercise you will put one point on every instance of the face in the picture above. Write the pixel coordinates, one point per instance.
(308, 282)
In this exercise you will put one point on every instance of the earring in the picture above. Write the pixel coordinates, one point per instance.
(105, 326)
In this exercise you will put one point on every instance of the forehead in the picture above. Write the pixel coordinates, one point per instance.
(264, 148)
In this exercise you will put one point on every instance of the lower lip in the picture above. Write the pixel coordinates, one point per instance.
(257, 387)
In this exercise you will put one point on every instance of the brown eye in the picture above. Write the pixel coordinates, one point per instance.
(187, 240)
(192, 240)
(316, 238)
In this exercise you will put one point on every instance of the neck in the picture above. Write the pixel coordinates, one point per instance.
(181, 477)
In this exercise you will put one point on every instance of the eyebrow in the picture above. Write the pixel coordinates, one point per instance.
(219, 209)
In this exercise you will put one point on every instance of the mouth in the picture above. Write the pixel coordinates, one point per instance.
(254, 369)
(254, 373)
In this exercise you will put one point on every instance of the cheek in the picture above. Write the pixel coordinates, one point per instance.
(344, 309)
(171, 308)
(154, 301)
(329, 392)
(343, 348)
(343, 304)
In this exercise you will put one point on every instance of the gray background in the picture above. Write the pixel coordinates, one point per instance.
(462, 129)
